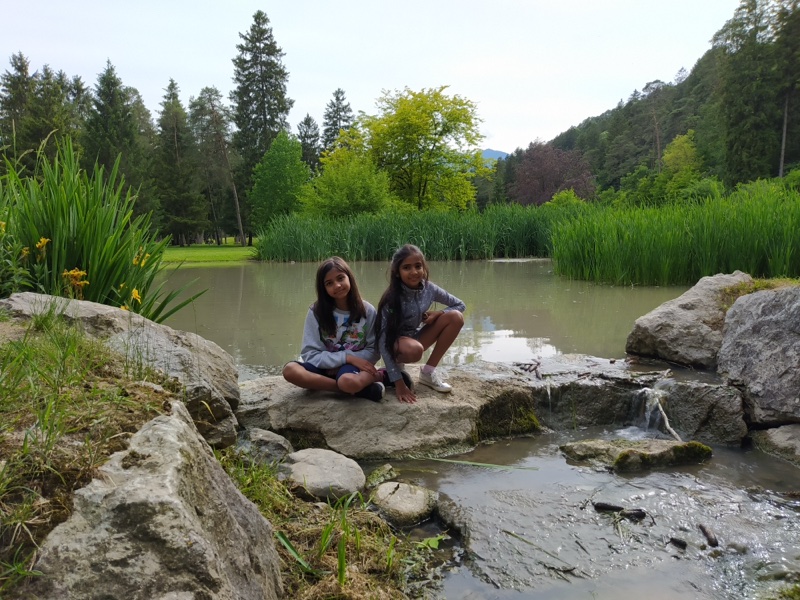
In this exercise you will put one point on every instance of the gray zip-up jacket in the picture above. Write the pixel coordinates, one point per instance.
(414, 303)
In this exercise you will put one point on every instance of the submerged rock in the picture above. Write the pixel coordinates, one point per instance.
(637, 455)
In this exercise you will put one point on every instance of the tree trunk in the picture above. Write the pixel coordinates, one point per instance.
(783, 136)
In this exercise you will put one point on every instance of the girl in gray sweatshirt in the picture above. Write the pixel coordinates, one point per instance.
(338, 348)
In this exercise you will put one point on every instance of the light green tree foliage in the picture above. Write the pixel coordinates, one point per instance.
(349, 184)
(277, 180)
(426, 142)
(681, 167)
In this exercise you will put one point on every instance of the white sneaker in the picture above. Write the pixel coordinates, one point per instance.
(432, 380)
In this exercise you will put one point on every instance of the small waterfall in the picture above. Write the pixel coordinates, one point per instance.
(652, 415)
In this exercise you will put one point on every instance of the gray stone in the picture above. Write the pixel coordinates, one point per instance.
(404, 504)
(262, 447)
(708, 413)
(315, 473)
(636, 455)
(783, 442)
(206, 372)
(760, 354)
(688, 329)
(162, 520)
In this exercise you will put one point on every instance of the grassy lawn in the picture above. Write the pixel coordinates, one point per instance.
(206, 254)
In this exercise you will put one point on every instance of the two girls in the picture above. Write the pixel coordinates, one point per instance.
(338, 348)
(406, 326)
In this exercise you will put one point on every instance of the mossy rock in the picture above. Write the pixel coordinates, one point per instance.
(626, 456)
(509, 413)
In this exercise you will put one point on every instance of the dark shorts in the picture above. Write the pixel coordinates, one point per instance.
(332, 373)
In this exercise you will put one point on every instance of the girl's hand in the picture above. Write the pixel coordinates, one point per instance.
(404, 394)
(362, 364)
(429, 318)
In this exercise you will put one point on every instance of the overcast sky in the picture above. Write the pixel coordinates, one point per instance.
(533, 67)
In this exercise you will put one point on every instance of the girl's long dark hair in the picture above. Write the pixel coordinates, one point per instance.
(392, 297)
(323, 307)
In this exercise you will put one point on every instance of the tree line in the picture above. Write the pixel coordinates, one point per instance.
(230, 166)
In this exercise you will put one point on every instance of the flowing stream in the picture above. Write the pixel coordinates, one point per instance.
(533, 530)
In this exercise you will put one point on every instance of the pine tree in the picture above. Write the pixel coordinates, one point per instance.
(16, 89)
(185, 210)
(210, 121)
(261, 106)
(338, 115)
(308, 136)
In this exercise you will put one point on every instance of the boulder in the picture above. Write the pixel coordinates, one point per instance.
(704, 412)
(760, 354)
(404, 504)
(636, 455)
(262, 447)
(783, 442)
(163, 520)
(206, 372)
(488, 401)
(315, 473)
(688, 329)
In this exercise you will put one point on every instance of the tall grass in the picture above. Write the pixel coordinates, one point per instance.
(756, 229)
(503, 231)
(64, 408)
(80, 236)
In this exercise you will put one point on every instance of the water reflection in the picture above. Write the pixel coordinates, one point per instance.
(516, 310)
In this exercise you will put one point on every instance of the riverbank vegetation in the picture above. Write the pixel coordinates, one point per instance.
(68, 232)
(68, 403)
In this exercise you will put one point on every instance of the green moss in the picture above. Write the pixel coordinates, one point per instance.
(510, 413)
(691, 452)
(790, 593)
(730, 294)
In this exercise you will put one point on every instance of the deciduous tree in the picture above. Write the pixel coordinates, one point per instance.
(277, 180)
(427, 142)
(545, 170)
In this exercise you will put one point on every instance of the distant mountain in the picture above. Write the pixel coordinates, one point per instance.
(494, 154)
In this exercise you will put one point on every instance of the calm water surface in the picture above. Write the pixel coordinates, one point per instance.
(526, 524)
(516, 310)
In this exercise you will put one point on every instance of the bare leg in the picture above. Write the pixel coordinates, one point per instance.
(351, 383)
(296, 374)
(442, 333)
(409, 350)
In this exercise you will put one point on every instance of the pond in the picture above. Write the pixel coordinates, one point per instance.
(534, 533)
(516, 310)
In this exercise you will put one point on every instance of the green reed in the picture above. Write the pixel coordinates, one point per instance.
(506, 231)
(756, 229)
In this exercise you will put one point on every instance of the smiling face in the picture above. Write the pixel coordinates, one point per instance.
(412, 271)
(337, 285)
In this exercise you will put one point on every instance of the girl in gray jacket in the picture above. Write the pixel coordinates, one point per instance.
(338, 348)
(406, 326)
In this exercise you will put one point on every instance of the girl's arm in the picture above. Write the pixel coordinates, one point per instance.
(444, 297)
(391, 365)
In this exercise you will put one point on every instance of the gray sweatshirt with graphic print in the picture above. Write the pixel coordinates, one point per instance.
(414, 303)
(330, 352)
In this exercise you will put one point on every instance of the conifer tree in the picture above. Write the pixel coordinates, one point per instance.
(260, 103)
(338, 116)
(184, 208)
(308, 136)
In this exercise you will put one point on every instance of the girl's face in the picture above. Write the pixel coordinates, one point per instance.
(337, 284)
(412, 271)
